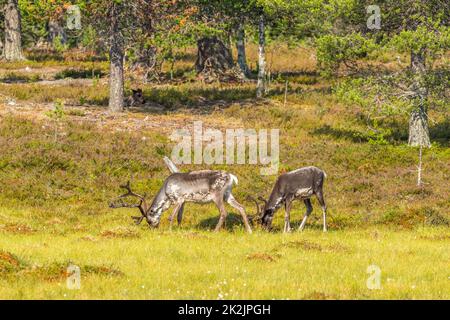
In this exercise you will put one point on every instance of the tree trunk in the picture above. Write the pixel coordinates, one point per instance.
(116, 56)
(13, 40)
(260, 87)
(213, 54)
(240, 46)
(56, 32)
(418, 124)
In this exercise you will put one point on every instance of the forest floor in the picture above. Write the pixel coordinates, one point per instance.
(59, 170)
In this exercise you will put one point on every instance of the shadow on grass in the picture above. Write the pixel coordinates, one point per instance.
(233, 220)
(297, 77)
(80, 74)
(44, 55)
(398, 133)
(339, 133)
(440, 132)
(13, 78)
(204, 100)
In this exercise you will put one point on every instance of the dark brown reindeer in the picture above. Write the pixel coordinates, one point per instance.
(197, 186)
(299, 184)
(136, 98)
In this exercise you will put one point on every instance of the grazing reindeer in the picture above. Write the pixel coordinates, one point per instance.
(197, 186)
(136, 98)
(301, 184)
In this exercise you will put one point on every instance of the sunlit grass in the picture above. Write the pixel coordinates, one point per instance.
(195, 264)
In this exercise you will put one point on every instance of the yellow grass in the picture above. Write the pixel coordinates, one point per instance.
(195, 264)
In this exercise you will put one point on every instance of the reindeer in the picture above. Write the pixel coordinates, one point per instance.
(136, 98)
(197, 186)
(301, 184)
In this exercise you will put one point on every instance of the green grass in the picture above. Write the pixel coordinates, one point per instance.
(188, 264)
(54, 196)
(19, 78)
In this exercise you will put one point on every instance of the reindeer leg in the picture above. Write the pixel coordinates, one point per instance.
(232, 202)
(287, 216)
(309, 209)
(175, 211)
(180, 214)
(223, 213)
(321, 200)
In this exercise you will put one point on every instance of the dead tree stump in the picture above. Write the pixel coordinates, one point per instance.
(215, 62)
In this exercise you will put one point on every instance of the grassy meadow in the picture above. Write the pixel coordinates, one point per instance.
(58, 170)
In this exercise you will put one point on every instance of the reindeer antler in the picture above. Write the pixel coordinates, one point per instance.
(263, 200)
(258, 208)
(119, 203)
(127, 187)
(258, 216)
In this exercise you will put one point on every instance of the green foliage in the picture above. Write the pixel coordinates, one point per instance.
(333, 50)
(59, 46)
(422, 40)
(376, 104)
(58, 111)
(89, 37)
(35, 16)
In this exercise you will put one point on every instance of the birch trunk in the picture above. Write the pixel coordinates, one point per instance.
(418, 124)
(13, 40)
(240, 47)
(116, 56)
(260, 87)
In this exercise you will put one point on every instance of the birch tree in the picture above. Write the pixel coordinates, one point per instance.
(12, 47)
(261, 84)
(418, 28)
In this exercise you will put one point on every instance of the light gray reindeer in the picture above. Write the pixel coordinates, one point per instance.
(197, 186)
(300, 184)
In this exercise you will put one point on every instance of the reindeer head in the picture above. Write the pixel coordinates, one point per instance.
(263, 216)
(141, 205)
(138, 96)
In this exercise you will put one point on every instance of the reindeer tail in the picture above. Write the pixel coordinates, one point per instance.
(234, 178)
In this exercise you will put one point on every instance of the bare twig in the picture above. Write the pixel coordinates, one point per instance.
(285, 93)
